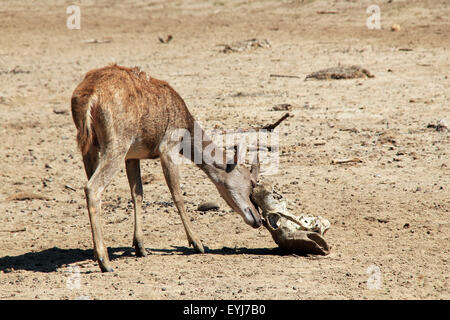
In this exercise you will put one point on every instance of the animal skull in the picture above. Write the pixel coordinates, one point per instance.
(303, 234)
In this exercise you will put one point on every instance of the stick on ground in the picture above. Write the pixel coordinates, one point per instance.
(274, 125)
(340, 161)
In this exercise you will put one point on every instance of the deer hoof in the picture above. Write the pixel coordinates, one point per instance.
(198, 247)
(106, 269)
(140, 250)
(104, 266)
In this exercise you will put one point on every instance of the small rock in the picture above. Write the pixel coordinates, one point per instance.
(166, 39)
(208, 205)
(60, 111)
(395, 27)
(389, 136)
(441, 125)
(282, 107)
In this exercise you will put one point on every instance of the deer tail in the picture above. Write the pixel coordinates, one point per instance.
(82, 115)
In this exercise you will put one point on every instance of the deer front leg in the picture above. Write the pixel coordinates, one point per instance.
(134, 178)
(171, 174)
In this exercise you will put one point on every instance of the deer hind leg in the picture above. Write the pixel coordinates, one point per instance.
(90, 160)
(108, 165)
(171, 174)
(134, 178)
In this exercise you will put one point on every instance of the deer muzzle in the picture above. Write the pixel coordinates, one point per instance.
(252, 217)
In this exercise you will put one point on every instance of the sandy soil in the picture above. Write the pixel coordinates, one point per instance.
(388, 213)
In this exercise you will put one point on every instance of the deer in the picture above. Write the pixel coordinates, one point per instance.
(122, 116)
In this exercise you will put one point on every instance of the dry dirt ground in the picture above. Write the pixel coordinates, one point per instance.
(389, 214)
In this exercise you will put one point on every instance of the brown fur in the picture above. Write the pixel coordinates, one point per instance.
(142, 94)
(122, 115)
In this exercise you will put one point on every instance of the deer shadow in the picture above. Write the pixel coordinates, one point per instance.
(222, 251)
(50, 260)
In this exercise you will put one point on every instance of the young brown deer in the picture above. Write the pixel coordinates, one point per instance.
(123, 116)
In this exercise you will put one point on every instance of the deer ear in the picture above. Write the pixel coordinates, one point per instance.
(255, 169)
(235, 154)
(231, 164)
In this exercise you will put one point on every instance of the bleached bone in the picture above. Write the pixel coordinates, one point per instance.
(303, 234)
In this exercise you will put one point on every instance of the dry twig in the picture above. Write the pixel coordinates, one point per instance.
(340, 161)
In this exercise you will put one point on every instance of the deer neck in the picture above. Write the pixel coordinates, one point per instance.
(207, 155)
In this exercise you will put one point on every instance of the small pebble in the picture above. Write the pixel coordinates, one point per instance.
(395, 27)
(208, 205)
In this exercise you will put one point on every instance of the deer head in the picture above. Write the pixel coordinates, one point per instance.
(235, 184)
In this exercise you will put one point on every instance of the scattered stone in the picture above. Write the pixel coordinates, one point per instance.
(166, 40)
(395, 27)
(373, 219)
(60, 111)
(341, 72)
(282, 107)
(441, 125)
(15, 70)
(208, 205)
(388, 136)
(245, 45)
